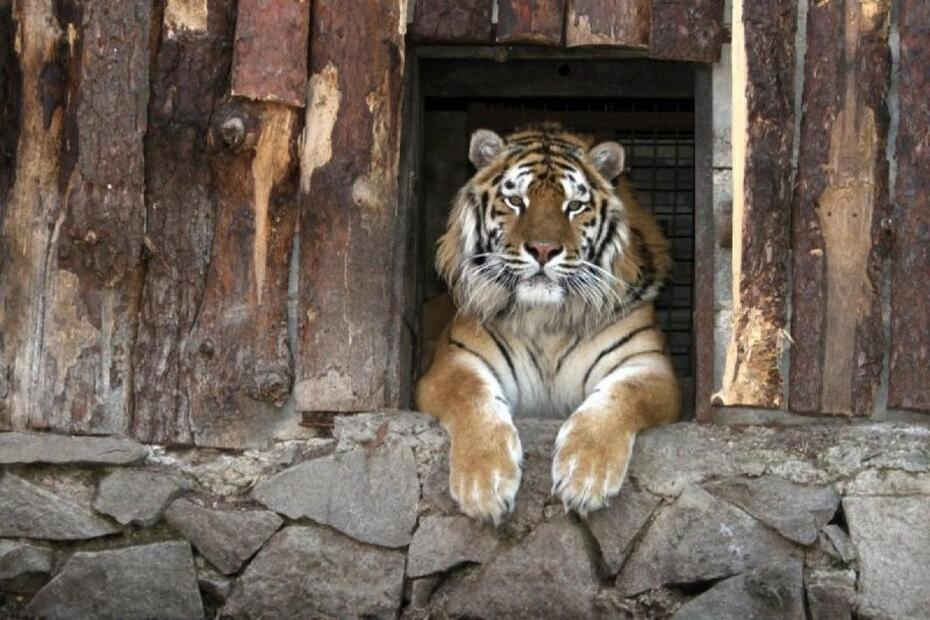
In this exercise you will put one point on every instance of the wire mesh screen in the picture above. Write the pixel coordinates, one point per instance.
(658, 135)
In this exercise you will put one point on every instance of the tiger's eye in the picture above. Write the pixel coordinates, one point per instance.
(515, 201)
(575, 205)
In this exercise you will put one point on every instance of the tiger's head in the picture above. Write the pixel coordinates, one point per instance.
(539, 229)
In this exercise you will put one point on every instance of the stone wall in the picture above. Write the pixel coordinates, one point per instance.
(819, 522)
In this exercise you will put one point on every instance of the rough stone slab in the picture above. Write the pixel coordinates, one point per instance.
(147, 581)
(371, 498)
(31, 511)
(797, 512)
(443, 542)
(23, 567)
(892, 537)
(771, 594)
(227, 538)
(664, 459)
(616, 526)
(309, 571)
(836, 543)
(26, 448)
(699, 538)
(831, 594)
(548, 575)
(887, 482)
(136, 496)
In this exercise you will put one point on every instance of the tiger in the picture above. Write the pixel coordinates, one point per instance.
(553, 270)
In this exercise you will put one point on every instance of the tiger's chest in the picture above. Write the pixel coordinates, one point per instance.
(547, 383)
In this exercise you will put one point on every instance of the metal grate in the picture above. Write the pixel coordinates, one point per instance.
(658, 135)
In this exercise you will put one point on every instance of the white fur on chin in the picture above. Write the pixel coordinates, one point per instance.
(539, 293)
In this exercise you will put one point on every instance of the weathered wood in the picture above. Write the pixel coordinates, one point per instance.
(212, 359)
(763, 130)
(270, 58)
(74, 227)
(692, 30)
(909, 377)
(530, 21)
(239, 370)
(452, 21)
(190, 78)
(349, 186)
(841, 199)
(608, 22)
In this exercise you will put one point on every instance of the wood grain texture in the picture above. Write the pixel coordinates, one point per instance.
(452, 21)
(270, 57)
(608, 22)
(691, 30)
(763, 130)
(909, 386)
(349, 185)
(74, 226)
(530, 21)
(841, 199)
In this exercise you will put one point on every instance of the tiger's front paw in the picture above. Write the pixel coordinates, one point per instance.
(590, 462)
(484, 471)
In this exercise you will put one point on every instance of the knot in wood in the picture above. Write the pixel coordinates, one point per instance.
(233, 132)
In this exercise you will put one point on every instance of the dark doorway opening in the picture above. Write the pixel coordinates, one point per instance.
(648, 106)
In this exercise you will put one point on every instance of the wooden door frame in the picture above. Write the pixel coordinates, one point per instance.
(704, 238)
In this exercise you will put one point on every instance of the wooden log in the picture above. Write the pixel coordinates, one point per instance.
(270, 58)
(74, 226)
(190, 77)
(909, 377)
(349, 186)
(530, 21)
(608, 22)
(691, 30)
(841, 200)
(763, 129)
(452, 21)
(212, 359)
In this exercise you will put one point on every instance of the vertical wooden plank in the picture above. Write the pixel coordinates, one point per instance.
(690, 30)
(842, 197)
(238, 372)
(608, 22)
(270, 58)
(190, 78)
(349, 163)
(530, 21)
(703, 316)
(77, 215)
(452, 21)
(909, 386)
(762, 134)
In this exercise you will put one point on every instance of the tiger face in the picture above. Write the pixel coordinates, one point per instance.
(540, 229)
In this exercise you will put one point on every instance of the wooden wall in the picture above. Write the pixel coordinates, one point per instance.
(160, 160)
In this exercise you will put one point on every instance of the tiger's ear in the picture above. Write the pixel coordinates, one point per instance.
(485, 146)
(609, 159)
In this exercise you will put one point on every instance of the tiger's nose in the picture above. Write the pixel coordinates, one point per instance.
(542, 251)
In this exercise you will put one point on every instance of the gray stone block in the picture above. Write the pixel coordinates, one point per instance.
(227, 538)
(892, 538)
(699, 538)
(831, 594)
(27, 448)
(24, 567)
(548, 575)
(313, 572)
(136, 496)
(371, 498)
(773, 593)
(147, 581)
(616, 526)
(443, 542)
(30, 511)
(797, 512)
